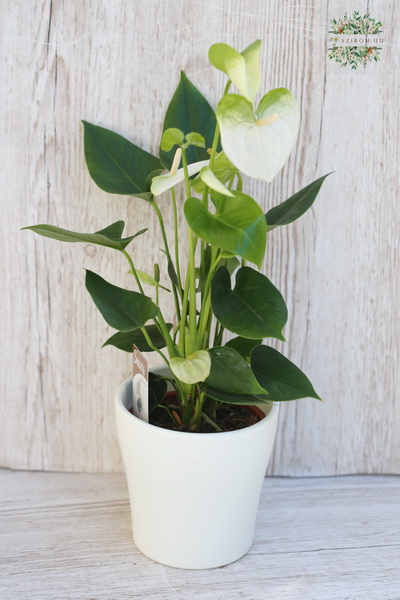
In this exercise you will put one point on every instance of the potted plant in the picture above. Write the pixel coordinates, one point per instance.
(195, 470)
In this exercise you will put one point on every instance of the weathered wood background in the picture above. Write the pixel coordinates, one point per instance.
(116, 63)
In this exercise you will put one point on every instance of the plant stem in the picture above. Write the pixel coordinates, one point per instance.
(132, 266)
(176, 239)
(167, 252)
(191, 274)
(152, 346)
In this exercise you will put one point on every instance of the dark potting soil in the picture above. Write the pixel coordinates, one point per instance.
(229, 417)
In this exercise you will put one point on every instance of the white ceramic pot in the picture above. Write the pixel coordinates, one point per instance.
(194, 497)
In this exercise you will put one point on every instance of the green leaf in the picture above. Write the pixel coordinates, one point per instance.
(193, 368)
(157, 390)
(189, 111)
(253, 309)
(124, 340)
(109, 237)
(170, 138)
(283, 380)
(122, 309)
(243, 345)
(231, 379)
(117, 165)
(295, 206)
(260, 144)
(242, 69)
(238, 226)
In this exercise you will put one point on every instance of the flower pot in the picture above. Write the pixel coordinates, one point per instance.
(194, 496)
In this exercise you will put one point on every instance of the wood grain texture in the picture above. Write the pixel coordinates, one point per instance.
(117, 64)
(69, 536)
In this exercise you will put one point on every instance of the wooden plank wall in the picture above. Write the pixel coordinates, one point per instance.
(116, 63)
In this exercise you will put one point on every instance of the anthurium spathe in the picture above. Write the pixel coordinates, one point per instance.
(259, 143)
(242, 69)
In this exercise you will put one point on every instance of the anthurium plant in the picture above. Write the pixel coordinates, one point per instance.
(219, 286)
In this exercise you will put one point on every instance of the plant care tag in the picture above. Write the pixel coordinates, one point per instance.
(140, 386)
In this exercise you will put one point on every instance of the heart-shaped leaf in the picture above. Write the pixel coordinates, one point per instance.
(194, 368)
(122, 309)
(117, 165)
(124, 340)
(282, 379)
(243, 345)
(253, 309)
(242, 69)
(231, 379)
(189, 111)
(238, 225)
(109, 237)
(260, 144)
(295, 206)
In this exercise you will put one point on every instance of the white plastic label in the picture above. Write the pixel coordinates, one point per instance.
(140, 386)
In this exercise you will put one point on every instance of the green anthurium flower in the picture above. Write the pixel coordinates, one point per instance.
(162, 183)
(196, 367)
(259, 144)
(243, 69)
(208, 177)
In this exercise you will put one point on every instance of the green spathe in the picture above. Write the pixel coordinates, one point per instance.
(192, 369)
(259, 144)
(242, 69)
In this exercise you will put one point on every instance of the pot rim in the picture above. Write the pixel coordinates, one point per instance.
(271, 415)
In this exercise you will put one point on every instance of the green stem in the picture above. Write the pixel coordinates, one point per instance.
(176, 240)
(167, 252)
(132, 266)
(191, 275)
(152, 346)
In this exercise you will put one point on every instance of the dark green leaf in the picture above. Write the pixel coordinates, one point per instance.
(282, 379)
(295, 206)
(122, 309)
(109, 237)
(243, 345)
(117, 165)
(189, 111)
(124, 340)
(157, 390)
(253, 309)
(231, 379)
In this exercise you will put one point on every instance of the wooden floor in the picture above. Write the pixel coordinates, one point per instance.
(68, 537)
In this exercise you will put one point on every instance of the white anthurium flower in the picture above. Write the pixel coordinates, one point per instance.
(208, 177)
(243, 69)
(259, 144)
(162, 183)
